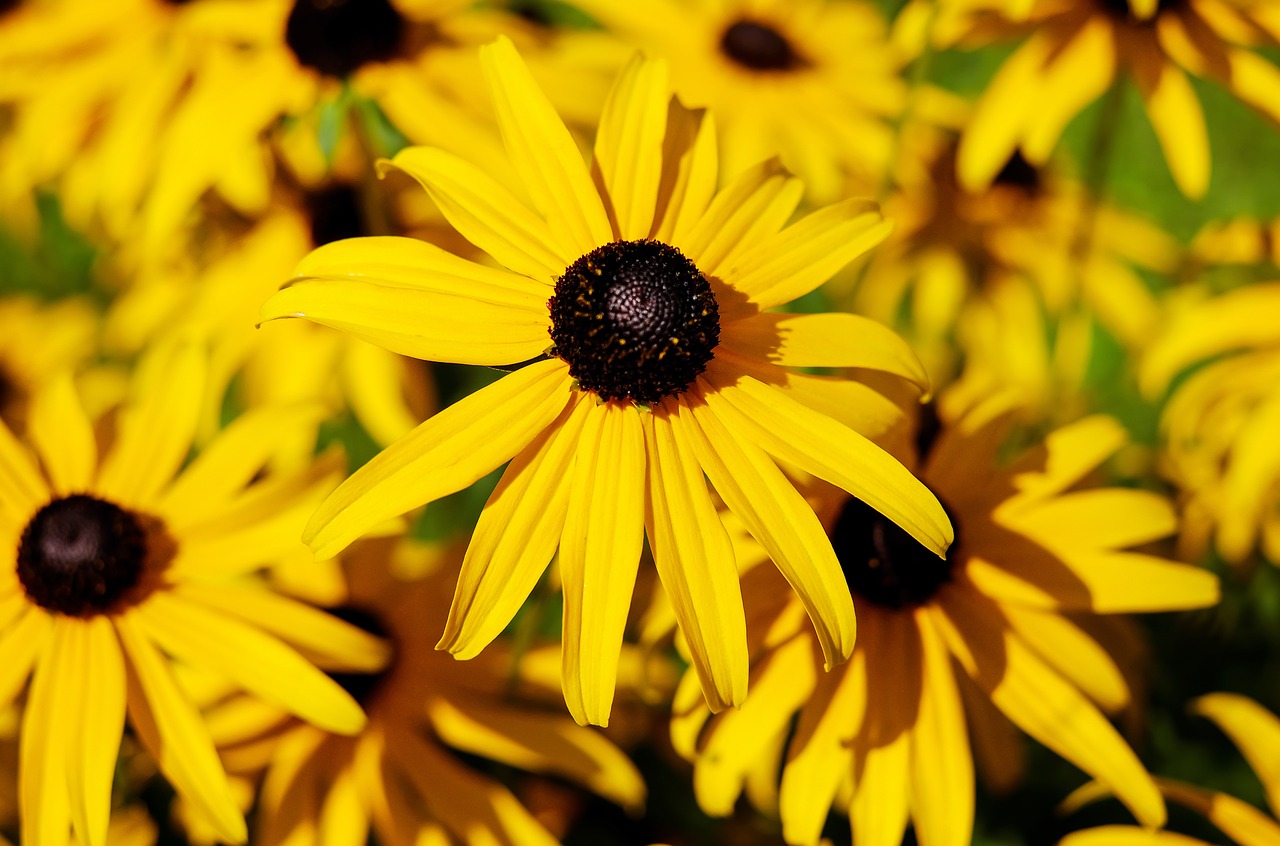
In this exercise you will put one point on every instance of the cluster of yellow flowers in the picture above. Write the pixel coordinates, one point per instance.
(906, 410)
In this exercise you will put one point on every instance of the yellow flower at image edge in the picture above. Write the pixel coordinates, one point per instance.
(116, 564)
(635, 298)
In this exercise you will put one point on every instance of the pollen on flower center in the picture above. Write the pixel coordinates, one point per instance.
(80, 555)
(758, 47)
(882, 563)
(634, 320)
(335, 37)
(362, 686)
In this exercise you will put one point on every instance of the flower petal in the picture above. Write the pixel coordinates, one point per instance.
(21, 644)
(57, 694)
(780, 519)
(63, 436)
(754, 205)
(446, 453)
(95, 737)
(278, 674)
(825, 340)
(171, 729)
(688, 172)
(628, 162)
(1042, 703)
(543, 152)
(1254, 730)
(599, 556)
(461, 327)
(1176, 116)
(696, 563)
(22, 489)
(516, 536)
(1078, 72)
(819, 445)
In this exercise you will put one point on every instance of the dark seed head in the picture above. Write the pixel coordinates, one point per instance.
(362, 686)
(882, 563)
(1019, 173)
(635, 320)
(80, 555)
(335, 214)
(1122, 9)
(759, 47)
(335, 37)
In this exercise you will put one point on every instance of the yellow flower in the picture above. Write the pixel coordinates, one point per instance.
(37, 341)
(634, 310)
(1219, 424)
(399, 777)
(118, 562)
(1003, 621)
(138, 108)
(1077, 50)
(815, 82)
(1256, 732)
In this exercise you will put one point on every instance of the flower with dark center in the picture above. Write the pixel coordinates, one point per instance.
(335, 37)
(759, 47)
(335, 214)
(80, 555)
(634, 320)
(883, 564)
(362, 686)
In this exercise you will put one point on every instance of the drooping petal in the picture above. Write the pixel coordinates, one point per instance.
(446, 453)
(21, 644)
(63, 436)
(599, 556)
(22, 490)
(544, 153)
(1069, 650)
(1177, 118)
(170, 728)
(780, 519)
(695, 562)
(95, 738)
(1042, 703)
(689, 168)
(1254, 730)
(57, 694)
(825, 340)
(1240, 821)
(343, 819)
(276, 673)
(1077, 74)
(516, 536)
(821, 446)
(628, 164)
(486, 213)
(1127, 835)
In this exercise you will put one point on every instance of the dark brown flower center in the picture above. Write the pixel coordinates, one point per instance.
(1122, 9)
(759, 47)
(883, 564)
(635, 320)
(80, 555)
(1019, 173)
(335, 37)
(335, 214)
(363, 686)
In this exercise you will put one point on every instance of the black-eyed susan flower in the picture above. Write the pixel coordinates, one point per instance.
(634, 311)
(1000, 626)
(121, 564)
(39, 340)
(1077, 50)
(1218, 424)
(400, 778)
(1256, 732)
(815, 82)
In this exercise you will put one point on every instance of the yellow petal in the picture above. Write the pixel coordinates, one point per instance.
(1078, 73)
(1239, 820)
(819, 445)
(343, 820)
(171, 729)
(780, 684)
(54, 703)
(780, 519)
(543, 152)
(942, 792)
(95, 738)
(1070, 651)
(696, 564)
(1126, 835)
(1042, 703)
(319, 634)
(599, 555)
(468, 326)
(629, 145)
(540, 743)
(1243, 500)
(787, 265)
(446, 453)
(1066, 455)
(1255, 80)
(516, 536)
(1110, 518)
(1178, 120)
(821, 753)
(487, 214)
(1254, 730)
(688, 172)
(63, 436)
(21, 644)
(157, 427)
(22, 490)
(825, 340)
(878, 812)
(754, 205)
